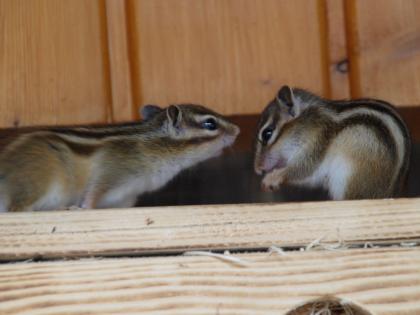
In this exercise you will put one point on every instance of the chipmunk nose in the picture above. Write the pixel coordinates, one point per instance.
(236, 130)
(260, 172)
(259, 169)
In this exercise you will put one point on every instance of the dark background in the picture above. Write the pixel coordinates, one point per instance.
(230, 178)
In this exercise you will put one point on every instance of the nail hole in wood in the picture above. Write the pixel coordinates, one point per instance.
(342, 66)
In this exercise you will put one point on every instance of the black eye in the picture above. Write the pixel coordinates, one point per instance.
(266, 134)
(209, 124)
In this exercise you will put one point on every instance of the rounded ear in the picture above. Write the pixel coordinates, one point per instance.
(285, 97)
(174, 115)
(149, 111)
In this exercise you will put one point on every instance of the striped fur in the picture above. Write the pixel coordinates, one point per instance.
(110, 165)
(355, 149)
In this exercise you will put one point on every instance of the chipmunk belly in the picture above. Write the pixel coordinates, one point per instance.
(336, 171)
(40, 172)
(367, 145)
(353, 157)
(125, 193)
(67, 187)
(55, 198)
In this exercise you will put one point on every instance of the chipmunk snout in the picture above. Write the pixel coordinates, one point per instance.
(235, 130)
(258, 168)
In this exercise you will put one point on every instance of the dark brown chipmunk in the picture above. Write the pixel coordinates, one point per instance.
(103, 167)
(356, 149)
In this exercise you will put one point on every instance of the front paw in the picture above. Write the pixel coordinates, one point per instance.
(269, 187)
(272, 181)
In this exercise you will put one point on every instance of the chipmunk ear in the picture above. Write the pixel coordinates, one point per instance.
(149, 111)
(174, 115)
(286, 98)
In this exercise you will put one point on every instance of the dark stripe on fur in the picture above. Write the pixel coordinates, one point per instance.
(385, 108)
(270, 112)
(381, 130)
(193, 141)
(77, 148)
(101, 132)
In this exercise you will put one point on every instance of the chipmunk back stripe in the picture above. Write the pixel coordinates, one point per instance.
(380, 107)
(87, 149)
(192, 141)
(99, 132)
(372, 104)
(376, 125)
(387, 109)
(407, 137)
(77, 148)
(357, 119)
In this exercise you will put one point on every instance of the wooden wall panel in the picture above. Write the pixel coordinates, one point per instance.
(384, 43)
(337, 49)
(54, 62)
(119, 58)
(231, 55)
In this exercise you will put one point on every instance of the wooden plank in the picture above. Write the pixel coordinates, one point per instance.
(53, 62)
(230, 55)
(122, 98)
(337, 50)
(384, 44)
(177, 229)
(382, 281)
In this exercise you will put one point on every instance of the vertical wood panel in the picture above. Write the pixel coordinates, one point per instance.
(53, 61)
(230, 55)
(117, 27)
(385, 49)
(337, 50)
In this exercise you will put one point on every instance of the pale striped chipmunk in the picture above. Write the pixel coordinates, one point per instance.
(357, 149)
(104, 167)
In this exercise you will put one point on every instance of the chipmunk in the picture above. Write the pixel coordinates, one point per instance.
(104, 167)
(357, 149)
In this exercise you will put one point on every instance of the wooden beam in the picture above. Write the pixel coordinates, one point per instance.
(144, 231)
(382, 281)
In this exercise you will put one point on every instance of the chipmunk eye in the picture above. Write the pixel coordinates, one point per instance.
(209, 124)
(266, 134)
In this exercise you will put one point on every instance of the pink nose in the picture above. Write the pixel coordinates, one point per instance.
(267, 165)
(259, 168)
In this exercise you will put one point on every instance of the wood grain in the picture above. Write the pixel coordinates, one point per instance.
(230, 55)
(123, 108)
(337, 50)
(176, 229)
(384, 47)
(382, 281)
(53, 62)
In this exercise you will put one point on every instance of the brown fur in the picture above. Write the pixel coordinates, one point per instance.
(358, 136)
(106, 166)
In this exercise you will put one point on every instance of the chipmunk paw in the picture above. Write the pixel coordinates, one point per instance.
(272, 181)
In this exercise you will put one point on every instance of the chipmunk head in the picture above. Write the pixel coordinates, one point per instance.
(273, 134)
(193, 129)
